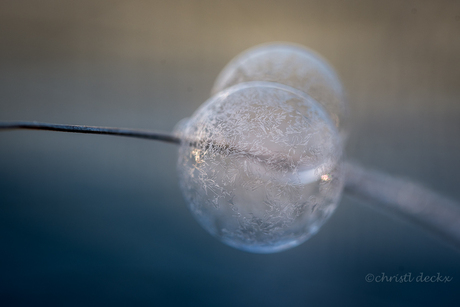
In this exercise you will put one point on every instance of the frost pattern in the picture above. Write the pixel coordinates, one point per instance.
(290, 65)
(259, 166)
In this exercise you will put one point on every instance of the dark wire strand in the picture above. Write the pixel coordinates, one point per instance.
(135, 133)
(394, 195)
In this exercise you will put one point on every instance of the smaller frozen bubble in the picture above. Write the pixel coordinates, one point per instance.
(291, 65)
(259, 166)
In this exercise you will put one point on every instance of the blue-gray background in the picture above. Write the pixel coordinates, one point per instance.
(97, 220)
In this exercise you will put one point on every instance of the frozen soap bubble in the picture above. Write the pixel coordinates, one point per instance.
(291, 65)
(259, 166)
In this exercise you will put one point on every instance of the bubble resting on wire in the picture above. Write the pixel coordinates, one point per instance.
(266, 172)
(279, 214)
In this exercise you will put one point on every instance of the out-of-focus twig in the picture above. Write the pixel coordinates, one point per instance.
(433, 212)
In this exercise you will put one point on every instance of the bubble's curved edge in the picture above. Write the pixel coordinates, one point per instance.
(265, 249)
(262, 249)
(179, 128)
(251, 84)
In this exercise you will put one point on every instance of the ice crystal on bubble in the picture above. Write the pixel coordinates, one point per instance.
(259, 166)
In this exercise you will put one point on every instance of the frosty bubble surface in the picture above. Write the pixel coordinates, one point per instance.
(259, 166)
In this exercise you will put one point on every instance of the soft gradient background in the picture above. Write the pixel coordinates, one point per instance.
(100, 221)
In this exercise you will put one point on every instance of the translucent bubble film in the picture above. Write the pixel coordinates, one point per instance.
(259, 166)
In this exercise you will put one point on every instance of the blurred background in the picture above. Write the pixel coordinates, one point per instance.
(97, 220)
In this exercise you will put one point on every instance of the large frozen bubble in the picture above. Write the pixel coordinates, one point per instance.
(259, 166)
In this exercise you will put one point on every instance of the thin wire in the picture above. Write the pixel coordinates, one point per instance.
(143, 134)
(397, 196)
